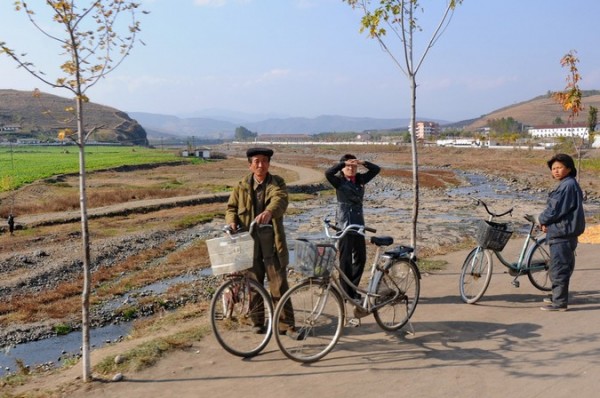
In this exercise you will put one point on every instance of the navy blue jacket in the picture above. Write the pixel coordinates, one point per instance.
(350, 195)
(564, 216)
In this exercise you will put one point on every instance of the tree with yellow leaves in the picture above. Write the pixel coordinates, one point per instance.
(93, 48)
(570, 98)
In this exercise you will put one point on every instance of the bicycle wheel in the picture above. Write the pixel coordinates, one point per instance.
(400, 280)
(318, 316)
(538, 265)
(475, 275)
(241, 316)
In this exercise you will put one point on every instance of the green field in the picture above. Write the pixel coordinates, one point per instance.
(20, 165)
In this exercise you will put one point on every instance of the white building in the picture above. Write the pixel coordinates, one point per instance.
(560, 130)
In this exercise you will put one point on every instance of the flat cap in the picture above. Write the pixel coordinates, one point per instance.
(259, 151)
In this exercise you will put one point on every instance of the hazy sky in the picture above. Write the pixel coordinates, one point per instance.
(306, 58)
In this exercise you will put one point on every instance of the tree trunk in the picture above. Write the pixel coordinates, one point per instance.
(85, 294)
(415, 162)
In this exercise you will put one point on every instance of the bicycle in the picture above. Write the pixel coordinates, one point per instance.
(241, 308)
(391, 296)
(533, 261)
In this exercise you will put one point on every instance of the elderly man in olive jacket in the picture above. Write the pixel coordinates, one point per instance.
(263, 197)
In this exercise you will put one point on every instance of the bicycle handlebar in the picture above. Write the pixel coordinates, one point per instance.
(229, 231)
(360, 229)
(481, 202)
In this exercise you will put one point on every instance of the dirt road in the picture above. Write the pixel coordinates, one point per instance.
(503, 346)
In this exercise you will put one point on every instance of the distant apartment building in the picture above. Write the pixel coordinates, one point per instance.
(10, 128)
(560, 130)
(426, 130)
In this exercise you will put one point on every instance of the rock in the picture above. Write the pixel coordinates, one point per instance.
(118, 377)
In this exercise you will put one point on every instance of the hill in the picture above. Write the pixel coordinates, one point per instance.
(542, 110)
(210, 128)
(42, 116)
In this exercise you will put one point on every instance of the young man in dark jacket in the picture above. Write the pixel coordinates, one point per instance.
(350, 190)
(563, 221)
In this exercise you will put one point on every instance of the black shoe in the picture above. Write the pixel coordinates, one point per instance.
(259, 329)
(553, 307)
(295, 334)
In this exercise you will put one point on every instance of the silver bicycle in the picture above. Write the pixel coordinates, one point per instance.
(391, 296)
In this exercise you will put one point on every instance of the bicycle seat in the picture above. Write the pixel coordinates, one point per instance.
(382, 240)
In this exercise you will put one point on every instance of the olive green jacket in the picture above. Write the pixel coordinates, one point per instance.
(240, 209)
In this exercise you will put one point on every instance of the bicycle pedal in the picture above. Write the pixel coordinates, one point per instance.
(353, 323)
(359, 312)
(516, 283)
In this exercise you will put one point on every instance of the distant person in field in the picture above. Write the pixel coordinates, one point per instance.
(11, 224)
(563, 221)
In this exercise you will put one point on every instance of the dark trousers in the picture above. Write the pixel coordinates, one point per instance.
(266, 263)
(562, 255)
(353, 256)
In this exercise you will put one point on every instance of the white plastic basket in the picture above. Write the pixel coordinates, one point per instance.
(230, 254)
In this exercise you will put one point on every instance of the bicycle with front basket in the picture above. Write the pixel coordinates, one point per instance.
(391, 296)
(533, 260)
(241, 308)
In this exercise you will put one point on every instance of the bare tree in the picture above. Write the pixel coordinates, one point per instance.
(399, 16)
(92, 48)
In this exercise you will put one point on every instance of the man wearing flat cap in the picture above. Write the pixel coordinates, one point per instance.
(263, 197)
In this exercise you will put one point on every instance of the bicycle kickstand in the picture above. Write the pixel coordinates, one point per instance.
(515, 282)
(411, 328)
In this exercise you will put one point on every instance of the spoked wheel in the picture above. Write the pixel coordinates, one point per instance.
(400, 283)
(475, 275)
(241, 316)
(538, 265)
(318, 315)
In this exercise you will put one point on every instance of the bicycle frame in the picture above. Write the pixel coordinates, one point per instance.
(368, 305)
(527, 244)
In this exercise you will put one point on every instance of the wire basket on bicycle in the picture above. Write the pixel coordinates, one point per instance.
(492, 235)
(313, 258)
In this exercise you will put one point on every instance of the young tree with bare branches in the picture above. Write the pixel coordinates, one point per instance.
(92, 48)
(398, 18)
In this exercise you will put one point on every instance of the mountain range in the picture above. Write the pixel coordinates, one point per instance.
(541, 110)
(207, 127)
(46, 113)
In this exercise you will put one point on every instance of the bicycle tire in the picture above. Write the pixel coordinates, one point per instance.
(538, 266)
(236, 310)
(319, 319)
(475, 275)
(400, 274)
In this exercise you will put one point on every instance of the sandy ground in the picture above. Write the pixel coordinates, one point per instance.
(503, 346)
